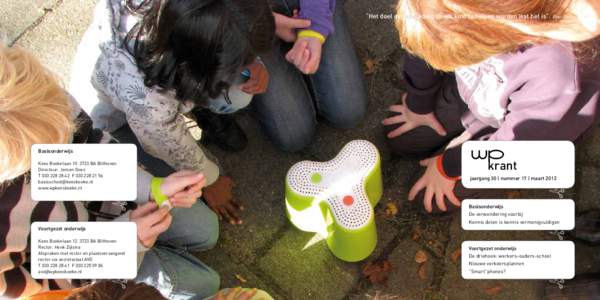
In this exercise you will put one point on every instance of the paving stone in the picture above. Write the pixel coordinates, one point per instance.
(307, 271)
(587, 259)
(17, 15)
(235, 274)
(404, 281)
(259, 174)
(377, 37)
(55, 40)
(588, 196)
(588, 152)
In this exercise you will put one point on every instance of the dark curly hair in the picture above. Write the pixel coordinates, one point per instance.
(197, 47)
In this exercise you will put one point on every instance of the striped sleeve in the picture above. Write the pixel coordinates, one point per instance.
(15, 281)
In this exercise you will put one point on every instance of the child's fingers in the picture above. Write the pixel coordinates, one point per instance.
(428, 199)
(181, 183)
(157, 216)
(453, 199)
(289, 56)
(439, 200)
(300, 57)
(247, 295)
(416, 189)
(195, 188)
(143, 210)
(309, 65)
(229, 215)
(182, 203)
(161, 226)
(312, 65)
(438, 127)
(295, 23)
(400, 131)
(237, 204)
(394, 120)
(219, 296)
(425, 162)
(301, 47)
(398, 108)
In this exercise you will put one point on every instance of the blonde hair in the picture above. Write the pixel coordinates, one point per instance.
(34, 109)
(454, 33)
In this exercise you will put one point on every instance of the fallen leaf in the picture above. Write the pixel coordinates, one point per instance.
(391, 209)
(455, 255)
(420, 256)
(370, 66)
(377, 271)
(240, 278)
(493, 291)
(514, 194)
(422, 271)
(415, 236)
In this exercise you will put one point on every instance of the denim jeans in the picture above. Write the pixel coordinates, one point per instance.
(288, 110)
(170, 267)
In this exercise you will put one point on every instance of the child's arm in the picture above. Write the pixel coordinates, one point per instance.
(306, 53)
(540, 110)
(320, 13)
(163, 134)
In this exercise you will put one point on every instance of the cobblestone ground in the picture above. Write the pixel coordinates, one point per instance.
(267, 252)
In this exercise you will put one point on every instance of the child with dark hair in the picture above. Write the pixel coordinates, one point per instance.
(314, 71)
(157, 60)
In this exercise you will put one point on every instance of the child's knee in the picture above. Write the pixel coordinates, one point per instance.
(418, 143)
(213, 281)
(295, 137)
(350, 116)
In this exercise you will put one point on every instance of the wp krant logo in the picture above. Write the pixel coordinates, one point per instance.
(492, 156)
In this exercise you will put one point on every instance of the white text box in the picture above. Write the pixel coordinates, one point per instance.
(518, 164)
(518, 260)
(83, 250)
(84, 172)
(518, 214)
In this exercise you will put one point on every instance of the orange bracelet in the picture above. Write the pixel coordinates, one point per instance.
(440, 167)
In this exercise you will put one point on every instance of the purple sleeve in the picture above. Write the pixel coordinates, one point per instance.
(320, 13)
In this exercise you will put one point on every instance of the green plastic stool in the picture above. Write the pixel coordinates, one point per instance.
(336, 199)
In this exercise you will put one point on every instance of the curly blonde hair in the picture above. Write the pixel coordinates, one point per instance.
(34, 109)
(454, 33)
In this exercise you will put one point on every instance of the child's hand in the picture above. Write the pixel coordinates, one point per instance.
(219, 198)
(435, 184)
(410, 120)
(259, 79)
(183, 188)
(286, 27)
(151, 221)
(306, 54)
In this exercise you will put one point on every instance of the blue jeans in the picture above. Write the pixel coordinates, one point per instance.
(170, 267)
(288, 110)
